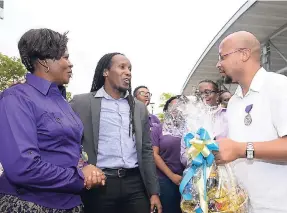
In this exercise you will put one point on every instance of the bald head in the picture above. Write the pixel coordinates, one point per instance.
(239, 56)
(243, 39)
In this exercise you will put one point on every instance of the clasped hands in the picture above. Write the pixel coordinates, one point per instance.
(93, 176)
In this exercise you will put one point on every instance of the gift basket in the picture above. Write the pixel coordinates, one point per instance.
(206, 187)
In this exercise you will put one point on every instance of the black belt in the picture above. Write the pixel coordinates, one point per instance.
(121, 172)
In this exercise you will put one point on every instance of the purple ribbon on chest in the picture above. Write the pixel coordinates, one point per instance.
(248, 108)
(248, 118)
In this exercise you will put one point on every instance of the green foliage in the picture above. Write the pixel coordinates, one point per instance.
(11, 71)
(68, 96)
(163, 98)
(160, 116)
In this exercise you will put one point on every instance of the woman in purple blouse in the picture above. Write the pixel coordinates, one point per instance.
(166, 147)
(40, 134)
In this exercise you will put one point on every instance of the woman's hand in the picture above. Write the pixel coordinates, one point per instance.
(176, 179)
(93, 176)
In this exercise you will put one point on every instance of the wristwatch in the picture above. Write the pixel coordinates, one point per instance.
(250, 151)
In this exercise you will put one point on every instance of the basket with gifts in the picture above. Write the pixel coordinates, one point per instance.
(206, 187)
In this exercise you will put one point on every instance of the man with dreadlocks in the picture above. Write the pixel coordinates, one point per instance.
(117, 141)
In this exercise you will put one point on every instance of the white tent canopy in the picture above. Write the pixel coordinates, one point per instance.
(267, 20)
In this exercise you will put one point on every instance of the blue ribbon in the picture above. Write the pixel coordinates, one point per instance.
(197, 162)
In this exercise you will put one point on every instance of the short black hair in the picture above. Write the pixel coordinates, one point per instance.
(98, 82)
(215, 85)
(137, 88)
(169, 101)
(41, 44)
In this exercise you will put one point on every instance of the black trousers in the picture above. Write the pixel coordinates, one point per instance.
(119, 195)
(169, 196)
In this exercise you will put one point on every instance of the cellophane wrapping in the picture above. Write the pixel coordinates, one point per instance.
(212, 188)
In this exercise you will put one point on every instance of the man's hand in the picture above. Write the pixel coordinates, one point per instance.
(93, 176)
(176, 179)
(229, 151)
(155, 202)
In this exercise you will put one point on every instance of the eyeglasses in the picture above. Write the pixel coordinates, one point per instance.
(142, 93)
(222, 57)
(204, 93)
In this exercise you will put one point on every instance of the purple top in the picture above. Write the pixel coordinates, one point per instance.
(248, 108)
(153, 120)
(169, 150)
(40, 145)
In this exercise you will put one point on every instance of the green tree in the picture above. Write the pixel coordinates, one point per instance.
(69, 96)
(163, 98)
(11, 71)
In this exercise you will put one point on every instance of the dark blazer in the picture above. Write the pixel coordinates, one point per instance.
(88, 108)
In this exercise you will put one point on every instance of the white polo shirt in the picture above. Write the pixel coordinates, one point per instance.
(266, 182)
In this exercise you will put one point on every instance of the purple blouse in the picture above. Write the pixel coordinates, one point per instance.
(153, 120)
(40, 145)
(169, 150)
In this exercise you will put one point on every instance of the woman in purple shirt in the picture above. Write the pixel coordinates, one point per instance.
(40, 134)
(166, 147)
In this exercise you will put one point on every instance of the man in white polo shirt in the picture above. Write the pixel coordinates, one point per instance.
(257, 120)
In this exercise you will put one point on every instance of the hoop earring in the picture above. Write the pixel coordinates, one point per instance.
(47, 69)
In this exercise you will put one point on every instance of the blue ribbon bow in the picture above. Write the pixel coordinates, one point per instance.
(200, 147)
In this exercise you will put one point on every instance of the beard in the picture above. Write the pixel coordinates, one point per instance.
(227, 80)
(123, 90)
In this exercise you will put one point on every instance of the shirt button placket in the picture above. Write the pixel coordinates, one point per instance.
(120, 131)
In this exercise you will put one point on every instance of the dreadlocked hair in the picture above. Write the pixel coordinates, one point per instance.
(41, 44)
(98, 82)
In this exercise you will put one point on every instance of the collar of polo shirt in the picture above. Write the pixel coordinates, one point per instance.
(101, 93)
(255, 85)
